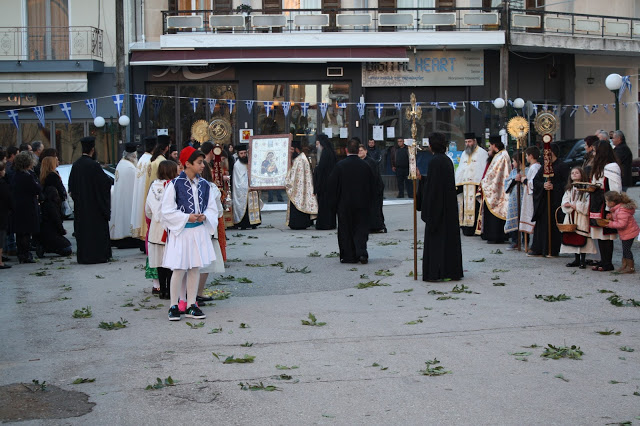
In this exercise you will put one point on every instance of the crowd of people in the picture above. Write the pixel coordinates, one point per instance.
(547, 208)
(172, 204)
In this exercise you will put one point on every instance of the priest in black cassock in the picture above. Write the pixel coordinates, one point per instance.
(541, 187)
(438, 202)
(326, 158)
(377, 215)
(351, 185)
(90, 189)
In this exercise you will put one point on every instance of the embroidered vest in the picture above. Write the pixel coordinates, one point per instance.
(185, 199)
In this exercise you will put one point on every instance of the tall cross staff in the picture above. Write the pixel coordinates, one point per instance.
(414, 112)
(518, 127)
(546, 125)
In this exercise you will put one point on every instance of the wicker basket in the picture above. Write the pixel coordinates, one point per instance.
(603, 223)
(565, 227)
(586, 186)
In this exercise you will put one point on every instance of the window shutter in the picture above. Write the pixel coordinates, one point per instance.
(331, 7)
(443, 6)
(222, 7)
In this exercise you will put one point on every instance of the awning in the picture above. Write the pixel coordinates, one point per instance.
(290, 55)
(43, 82)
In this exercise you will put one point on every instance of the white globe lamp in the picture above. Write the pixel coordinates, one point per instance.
(613, 82)
(498, 103)
(98, 121)
(518, 103)
(124, 120)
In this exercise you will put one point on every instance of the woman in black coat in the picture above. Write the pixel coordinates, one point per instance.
(327, 160)
(6, 206)
(25, 191)
(52, 232)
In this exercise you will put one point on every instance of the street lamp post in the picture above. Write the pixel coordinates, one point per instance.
(100, 122)
(614, 83)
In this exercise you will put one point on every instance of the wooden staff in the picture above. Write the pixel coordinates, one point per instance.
(526, 242)
(415, 233)
(549, 216)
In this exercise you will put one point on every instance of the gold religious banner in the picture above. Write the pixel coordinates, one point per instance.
(412, 113)
(546, 124)
(199, 131)
(219, 130)
(518, 127)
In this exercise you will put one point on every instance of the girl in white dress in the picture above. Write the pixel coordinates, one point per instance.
(575, 205)
(190, 214)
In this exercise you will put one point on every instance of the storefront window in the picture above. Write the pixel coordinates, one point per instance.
(274, 123)
(336, 121)
(221, 110)
(303, 128)
(8, 135)
(187, 114)
(32, 132)
(68, 142)
(161, 110)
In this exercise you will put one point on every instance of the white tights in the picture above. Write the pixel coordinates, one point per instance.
(193, 278)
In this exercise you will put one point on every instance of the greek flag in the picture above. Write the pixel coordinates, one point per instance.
(606, 108)
(92, 105)
(323, 109)
(535, 108)
(594, 109)
(361, 106)
(379, 108)
(476, 104)
(286, 106)
(212, 105)
(435, 104)
(587, 109)
(194, 103)
(573, 110)
(398, 106)
(249, 105)
(555, 109)
(305, 107)
(157, 104)
(230, 104)
(453, 105)
(140, 99)
(342, 105)
(66, 110)
(39, 113)
(545, 107)
(613, 106)
(118, 100)
(267, 106)
(563, 109)
(13, 115)
(626, 85)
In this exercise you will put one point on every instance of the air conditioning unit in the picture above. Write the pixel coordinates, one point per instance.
(335, 72)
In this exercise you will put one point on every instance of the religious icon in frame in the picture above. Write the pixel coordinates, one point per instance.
(269, 161)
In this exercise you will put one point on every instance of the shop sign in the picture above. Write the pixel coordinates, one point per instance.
(427, 68)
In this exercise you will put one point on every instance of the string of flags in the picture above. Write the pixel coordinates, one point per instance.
(158, 101)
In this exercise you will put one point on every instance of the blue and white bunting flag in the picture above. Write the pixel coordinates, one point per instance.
(453, 105)
(304, 106)
(555, 109)
(212, 105)
(587, 109)
(286, 106)
(118, 100)
(13, 115)
(606, 108)
(323, 109)
(476, 104)
(194, 103)
(563, 109)
(435, 104)
(379, 108)
(361, 107)
(626, 85)
(230, 104)
(93, 107)
(267, 107)
(573, 110)
(39, 110)
(140, 99)
(157, 104)
(398, 106)
(595, 108)
(625, 104)
(249, 105)
(545, 107)
(66, 110)
(510, 102)
(535, 109)
(637, 105)
(342, 105)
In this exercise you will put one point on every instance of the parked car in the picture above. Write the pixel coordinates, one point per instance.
(65, 170)
(572, 151)
(635, 170)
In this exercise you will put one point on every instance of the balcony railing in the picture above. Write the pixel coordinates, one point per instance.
(574, 24)
(50, 43)
(343, 20)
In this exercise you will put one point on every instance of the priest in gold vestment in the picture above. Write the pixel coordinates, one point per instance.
(494, 199)
(468, 176)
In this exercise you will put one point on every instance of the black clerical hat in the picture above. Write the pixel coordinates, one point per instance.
(88, 142)
(131, 147)
(241, 147)
(494, 138)
(470, 135)
(296, 144)
(150, 143)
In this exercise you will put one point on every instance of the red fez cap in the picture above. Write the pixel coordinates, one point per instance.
(185, 154)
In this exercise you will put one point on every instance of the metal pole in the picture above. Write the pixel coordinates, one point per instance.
(615, 94)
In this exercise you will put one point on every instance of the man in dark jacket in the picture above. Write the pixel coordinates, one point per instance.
(400, 166)
(624, 157)
(90, 189)
(350, 183)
